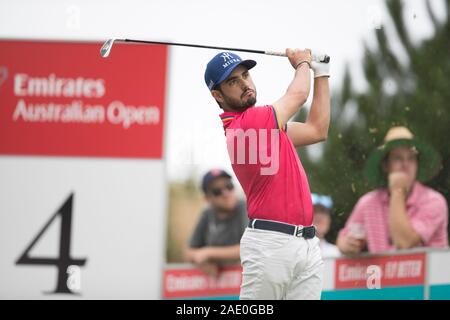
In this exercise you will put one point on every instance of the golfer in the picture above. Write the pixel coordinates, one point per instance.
(280, 253)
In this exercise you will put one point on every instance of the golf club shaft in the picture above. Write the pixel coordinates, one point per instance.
(273, 53)
(192, 45)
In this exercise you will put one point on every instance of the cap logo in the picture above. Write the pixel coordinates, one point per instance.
(228, 59)
(226, 56)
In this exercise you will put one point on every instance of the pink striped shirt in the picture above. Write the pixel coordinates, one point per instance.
(427, 211)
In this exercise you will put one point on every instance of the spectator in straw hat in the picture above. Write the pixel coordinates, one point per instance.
(402, 213)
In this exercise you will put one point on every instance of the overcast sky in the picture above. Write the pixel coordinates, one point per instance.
(194, 136)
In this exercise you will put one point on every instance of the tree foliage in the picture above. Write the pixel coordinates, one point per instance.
(410, 89)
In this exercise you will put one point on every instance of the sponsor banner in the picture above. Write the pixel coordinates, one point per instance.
(380, 271)
(189, 282)
(64, 99)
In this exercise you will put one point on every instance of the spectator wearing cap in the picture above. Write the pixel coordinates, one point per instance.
(215, 240)
(323, 205)
(402, 213)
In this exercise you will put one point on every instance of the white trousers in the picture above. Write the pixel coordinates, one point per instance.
(279, 266)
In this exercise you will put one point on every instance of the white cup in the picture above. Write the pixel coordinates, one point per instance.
(357, 231)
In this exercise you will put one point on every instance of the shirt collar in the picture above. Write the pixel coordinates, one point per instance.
(228, 117)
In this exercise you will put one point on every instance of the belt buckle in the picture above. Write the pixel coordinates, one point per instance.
(310, 232)
(299, 231)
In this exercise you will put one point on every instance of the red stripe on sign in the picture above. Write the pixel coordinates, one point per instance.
(386, 271)
(191, 282)
(64, 99)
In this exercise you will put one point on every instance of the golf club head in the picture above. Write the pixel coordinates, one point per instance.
(106, 48)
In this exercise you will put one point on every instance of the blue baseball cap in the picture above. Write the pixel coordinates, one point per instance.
(221, 66)
(211, 175)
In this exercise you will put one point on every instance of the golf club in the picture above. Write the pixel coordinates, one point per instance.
(107, 46)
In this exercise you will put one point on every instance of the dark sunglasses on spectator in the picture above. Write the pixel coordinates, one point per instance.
(217, 192)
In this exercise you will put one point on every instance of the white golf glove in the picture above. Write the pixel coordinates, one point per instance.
(320, 69)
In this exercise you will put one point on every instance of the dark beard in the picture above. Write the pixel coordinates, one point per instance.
(238, 105)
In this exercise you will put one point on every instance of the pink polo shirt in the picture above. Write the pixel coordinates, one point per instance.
(427, 211)
(267, 166)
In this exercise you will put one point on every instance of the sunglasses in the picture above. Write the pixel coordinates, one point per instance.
(217, 192)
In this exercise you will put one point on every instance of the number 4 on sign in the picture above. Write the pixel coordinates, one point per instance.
(64, 260)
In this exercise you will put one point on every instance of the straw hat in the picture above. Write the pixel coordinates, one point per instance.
(429, 160)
